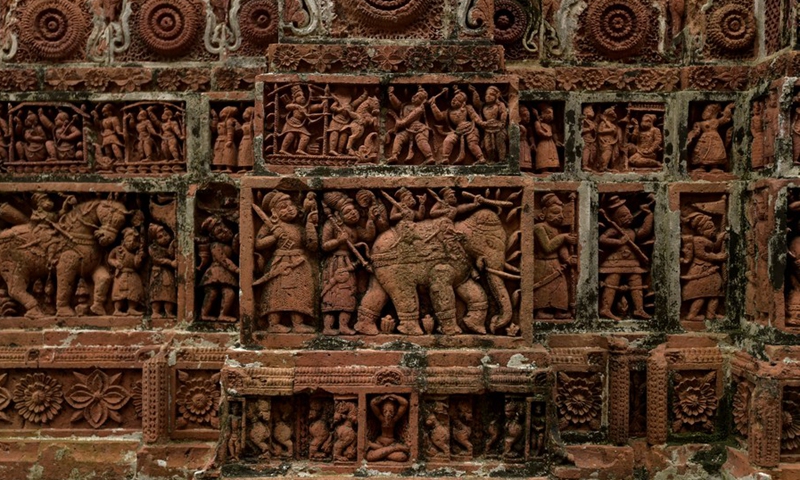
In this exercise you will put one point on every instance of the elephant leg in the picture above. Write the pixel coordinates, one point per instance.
(102, 282)
(500, 294)
(406, 302)
(18, 290)
(477, 305)
(443, 298)
(370, 308)
(66, 274)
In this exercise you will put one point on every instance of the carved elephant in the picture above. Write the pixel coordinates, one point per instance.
(440, 256)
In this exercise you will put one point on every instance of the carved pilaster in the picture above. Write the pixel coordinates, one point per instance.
(155, 398)
(657, 378)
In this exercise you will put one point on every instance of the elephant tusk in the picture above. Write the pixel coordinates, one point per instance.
(503, 274)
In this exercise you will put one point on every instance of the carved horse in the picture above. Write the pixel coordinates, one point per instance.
(75, 248)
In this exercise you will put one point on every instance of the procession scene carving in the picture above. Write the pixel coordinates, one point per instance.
(344, 124)
(456, 250)
(88, 255)
(327, 238)
(140, 137)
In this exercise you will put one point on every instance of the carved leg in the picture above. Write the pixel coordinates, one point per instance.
(344, 324)
(274, 320)
(18, 290)
(208, 303)
(102, 283)
(637, 294)
(477, 305)
(287, 143)
(370, 308)
(609, 293)
(406, 302)
(327, 324)
(502, 297)
(443, 298)
(66, 274)
(298, 326)
(694, 310)
(227, 304)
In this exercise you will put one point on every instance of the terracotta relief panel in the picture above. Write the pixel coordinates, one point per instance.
(216, 226)
(622, 138)
(93, 259)
(704, 258)
(340, 121)
(764, 130)
(232, 133)
(555, 252)
(709, 142)
(626, 253)
(541, 137)
(349, 256)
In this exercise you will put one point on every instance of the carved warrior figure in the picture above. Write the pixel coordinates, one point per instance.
(288, 281)
(345, 419)
(163, 285)
(703, 257)
(553, 257)
(464, 119)
(220, 279)
(546, 145)
(342, 236)
(757, 131)
(389, 409)
(526, 143)
(301, 112)
(111, 148)
(410, 127)
(168, 128)
(71, 241)
(589, 135)
(771, 113)
(126, 259)
(494, 112)
(624, 264)
(708, 148)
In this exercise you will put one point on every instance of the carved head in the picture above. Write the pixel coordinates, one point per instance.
(647, 121)
(511, 410)
(459, 99)
(449, 196)
(167, 115)
(43, 202)
(130, 239)
(553, 210)
(262, 410)
(711, 111)
(758, 108)
(492, 94)
(248, 114)
(524, 115)
(623, 216)
(702, 224)
(160, 234)
(547, 114)
(142, 115)
(107, 110)
(609, 114)
(388, 409)
(464, 411)
(62, 119)
(420, 97)
(281, 206)
(588, 112)
(216, 228)
(31, 120)
(405, 197)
